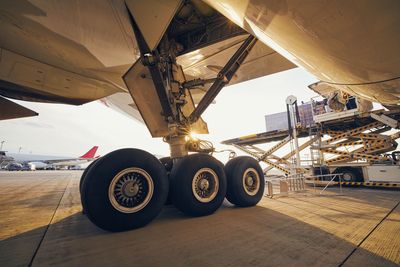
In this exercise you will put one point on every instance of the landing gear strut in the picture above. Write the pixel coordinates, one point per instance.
(127, 188)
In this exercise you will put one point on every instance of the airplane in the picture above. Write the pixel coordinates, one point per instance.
(164, 62)
(4, 159)
(45, 162)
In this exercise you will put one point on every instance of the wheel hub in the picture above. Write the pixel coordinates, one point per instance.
(347, 177)
(251, 182)
(131, 190)
(205, 185)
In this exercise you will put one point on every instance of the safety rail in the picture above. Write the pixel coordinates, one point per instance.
(288, 184)
(332, 181)
(297, 183)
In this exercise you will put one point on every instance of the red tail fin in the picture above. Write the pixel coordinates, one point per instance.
(90, 154)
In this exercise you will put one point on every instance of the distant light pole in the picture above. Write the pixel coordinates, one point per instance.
(2, 142)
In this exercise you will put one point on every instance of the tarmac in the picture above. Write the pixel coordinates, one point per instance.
(41, 224)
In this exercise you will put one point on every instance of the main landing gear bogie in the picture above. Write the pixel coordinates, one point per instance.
(127, 188)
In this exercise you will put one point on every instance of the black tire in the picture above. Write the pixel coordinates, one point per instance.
(168, 163)
(121, 170)
(246, 181)
(185, 191)
(350, 174)
(84, 175)
(81, 182)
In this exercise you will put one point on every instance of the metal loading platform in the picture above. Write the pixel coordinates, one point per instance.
(347, 137)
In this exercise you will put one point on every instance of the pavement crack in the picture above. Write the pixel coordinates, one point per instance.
(48, 225)
(366, 237)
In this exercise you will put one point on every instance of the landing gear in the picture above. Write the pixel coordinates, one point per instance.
(124, 190)
(245, 181)
(127, 188)
(198, 185)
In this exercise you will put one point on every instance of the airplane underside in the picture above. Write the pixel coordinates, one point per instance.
(164, 62)
(137, 183)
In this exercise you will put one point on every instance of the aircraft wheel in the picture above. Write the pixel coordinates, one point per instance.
(168, 163)
(82, 179)
(245, 181)
(124, 190)
(198, 184)
(84, 175)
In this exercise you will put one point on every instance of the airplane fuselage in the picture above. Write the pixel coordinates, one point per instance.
(352, 45)
(75, 52)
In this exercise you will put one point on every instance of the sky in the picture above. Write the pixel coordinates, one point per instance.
(65, 130)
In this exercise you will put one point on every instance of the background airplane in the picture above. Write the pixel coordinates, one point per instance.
(46, 162)
(5, 159)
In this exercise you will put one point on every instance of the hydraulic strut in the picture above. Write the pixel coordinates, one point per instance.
(224, 77)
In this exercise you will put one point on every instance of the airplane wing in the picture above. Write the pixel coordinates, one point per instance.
(206, 62)
(64, 53)
(12, 110)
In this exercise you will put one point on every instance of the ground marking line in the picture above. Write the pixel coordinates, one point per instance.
(365, 238)
(48, 225)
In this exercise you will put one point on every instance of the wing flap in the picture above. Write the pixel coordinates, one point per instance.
(11, 110)
(206, 62)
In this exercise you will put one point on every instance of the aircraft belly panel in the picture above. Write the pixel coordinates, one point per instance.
(153, 17)
(383, 92)
(73, 35)
(346, 42)
(91, 38)
(52, 83)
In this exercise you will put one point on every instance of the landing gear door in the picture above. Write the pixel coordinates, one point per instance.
(153, 17)
(141, 87)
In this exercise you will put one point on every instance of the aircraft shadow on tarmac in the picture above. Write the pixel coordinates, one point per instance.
(254, 236)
